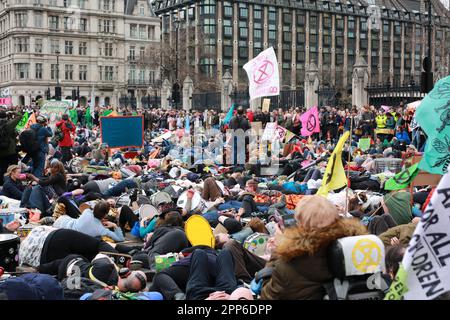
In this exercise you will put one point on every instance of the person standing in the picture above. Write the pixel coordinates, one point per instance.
(8, 153)
(67, 127)
(43, 133)
(239, 121)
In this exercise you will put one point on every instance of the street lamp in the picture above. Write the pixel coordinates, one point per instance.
(176, 85)
(427, 74)
(58, 87)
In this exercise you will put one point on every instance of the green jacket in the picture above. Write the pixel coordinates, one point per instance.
(8, 131)
(402, 232)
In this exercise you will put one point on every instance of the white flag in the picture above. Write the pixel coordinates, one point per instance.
(263, 75)
(92, 104)
(427, 258)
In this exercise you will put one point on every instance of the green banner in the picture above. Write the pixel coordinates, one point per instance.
(106, 113)
(23, 122)
(73, 116)
(364, 144)
(88, 117)
(433, 116)
(402, 179)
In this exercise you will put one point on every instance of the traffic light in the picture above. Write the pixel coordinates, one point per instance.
(426, 78)
(58, 93)
(74, 95)
(48, 94)
(176, 96)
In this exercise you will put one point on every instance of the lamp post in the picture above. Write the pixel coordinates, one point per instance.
(176, 86)
(427, 74)
(58, 87)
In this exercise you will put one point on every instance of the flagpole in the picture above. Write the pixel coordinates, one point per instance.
(348, 166)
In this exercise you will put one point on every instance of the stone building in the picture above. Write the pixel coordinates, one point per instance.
(390, 35)
(81, 44)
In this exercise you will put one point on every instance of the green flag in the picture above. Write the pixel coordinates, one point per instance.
(73, 116)
(106, 113)
(23, 122)
(399, 286)
(433, 116)
(402, 179)
(364, 144)
(88, 117)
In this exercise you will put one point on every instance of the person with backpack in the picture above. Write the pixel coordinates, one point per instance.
(67, 128)
(8, 153)
(34, 142)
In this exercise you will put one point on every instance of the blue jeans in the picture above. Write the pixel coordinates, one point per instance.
(232, 204)
(212, 217)
(95, 163)
(38, 163)
(120, 188)
(35, 198)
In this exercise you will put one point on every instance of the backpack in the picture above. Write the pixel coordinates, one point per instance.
(59, 135)
(29, 141)
(85, 285)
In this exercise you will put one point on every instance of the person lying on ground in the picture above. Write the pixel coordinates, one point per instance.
(92, 223)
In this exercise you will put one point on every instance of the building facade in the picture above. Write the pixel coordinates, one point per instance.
(390, 35)
(82, 44)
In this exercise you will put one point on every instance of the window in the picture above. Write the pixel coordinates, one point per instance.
(106, 26)
(227, 11)
(66, 3)
(54, 71)
(53, 22)
(141, 10)
(22, 45)
(142, 53)
(38, 20)
(257, 15)
(83, 72)
(39, 70)
(132, 53)
(22, 70)
(109, 72)
(83, 25)
(21, 19)
(108, 49)
(141, 76)
(38, 45)
(243, 13)
(133, 30)
(68, 71)
(151, 76)
(82, 49)
(82, 4)
(54, 46)
(142, 32)
(228, 31)
(108, 5)
(243, 32)
(68, 47)
(151, 32)
(68, 23)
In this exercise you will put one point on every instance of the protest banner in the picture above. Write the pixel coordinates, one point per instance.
(269, 131)
(425, 267)
(334, 176)
(310, 122)
(402, 179)
(121, 132)
(266, 105)
(53, 110)
(263, 75)
(364, 144)
(433, 116)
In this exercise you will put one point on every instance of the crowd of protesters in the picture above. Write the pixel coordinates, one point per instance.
(77, 218)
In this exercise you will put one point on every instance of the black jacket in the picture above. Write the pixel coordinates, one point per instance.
(239, 122)
(13, 189)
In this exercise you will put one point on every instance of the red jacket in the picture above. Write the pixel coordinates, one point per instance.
(250, 116)
(67, 140)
